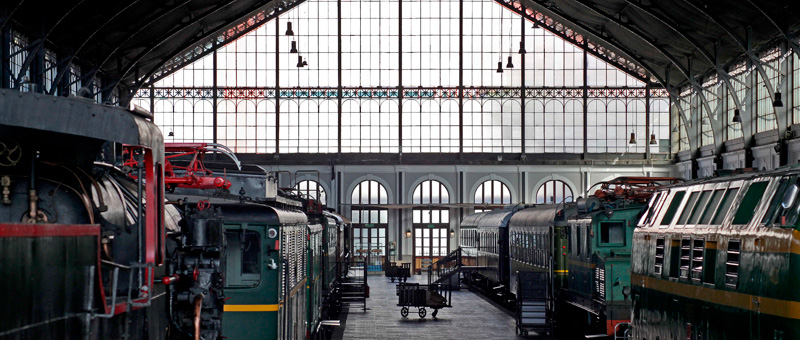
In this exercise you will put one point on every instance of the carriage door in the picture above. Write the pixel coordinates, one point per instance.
(250, 308)
(431, 224)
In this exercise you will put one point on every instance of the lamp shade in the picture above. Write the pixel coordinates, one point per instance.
(289, 30)
(737, 118)
(778, 102)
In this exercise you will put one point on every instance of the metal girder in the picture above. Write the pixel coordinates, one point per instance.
(542, 8)
(562, 35)
(26, 64)
(737, 39)
(162, 71)
(64, 68)
(638, 34)
(135, 60)
(140, 29)
(7, 19)
(681, 33)
(664, 82)
(769, 18)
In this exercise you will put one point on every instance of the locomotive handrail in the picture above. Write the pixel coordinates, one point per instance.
(113, 307)
(148, 285)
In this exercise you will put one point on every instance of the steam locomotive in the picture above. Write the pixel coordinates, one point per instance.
(103, 237)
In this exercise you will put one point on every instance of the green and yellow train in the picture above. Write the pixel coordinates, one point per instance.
(584, 246)
(718, 259)
(280, 267)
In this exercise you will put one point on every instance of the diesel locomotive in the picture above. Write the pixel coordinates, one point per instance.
(717, 258)
(584, 247)
(103, 236)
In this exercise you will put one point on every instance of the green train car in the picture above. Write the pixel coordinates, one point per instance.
(719, 259)
(584, 246)
(596, 296)
(279, 266)
(538, 241)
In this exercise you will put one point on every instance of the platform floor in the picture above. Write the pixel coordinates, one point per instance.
(472, 317)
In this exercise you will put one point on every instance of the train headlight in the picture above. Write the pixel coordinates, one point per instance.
(272, 233)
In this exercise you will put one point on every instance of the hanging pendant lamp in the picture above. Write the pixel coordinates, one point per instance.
(510, 64)
(294, 47)
(289, 28)
(499, 67)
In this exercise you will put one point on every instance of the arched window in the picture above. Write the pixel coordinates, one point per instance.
(370, 223)
(492, 192)
(313, 190)
(554, 191)
(431, 222)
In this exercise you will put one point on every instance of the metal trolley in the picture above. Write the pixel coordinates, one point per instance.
(400, 273)
(435, 296)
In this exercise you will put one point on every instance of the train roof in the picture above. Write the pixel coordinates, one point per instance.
(746, 175)
(471, 220)
(540, 215)
(235, 211)
(339, 218)
(78, 117)
(498, 218)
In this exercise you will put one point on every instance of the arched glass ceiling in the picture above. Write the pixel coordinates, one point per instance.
(410, 76)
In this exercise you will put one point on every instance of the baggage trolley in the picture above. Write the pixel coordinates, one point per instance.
(400, 273)
(414, 295)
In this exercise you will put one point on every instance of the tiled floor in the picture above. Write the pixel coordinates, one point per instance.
(471, 317)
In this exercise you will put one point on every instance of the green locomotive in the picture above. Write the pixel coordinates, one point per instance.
(584, 246)
(717, 259)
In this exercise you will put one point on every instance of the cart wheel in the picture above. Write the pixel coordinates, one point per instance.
(435, 311)
(392, 279)
(405, 279)
(525, 334)
(404, 312)
(422, 312)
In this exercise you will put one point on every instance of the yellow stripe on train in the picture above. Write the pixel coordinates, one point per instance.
(250, 308)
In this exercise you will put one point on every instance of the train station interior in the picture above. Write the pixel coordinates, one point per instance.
(431, 134)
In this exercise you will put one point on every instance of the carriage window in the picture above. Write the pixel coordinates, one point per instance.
(588, 240)
(612, 233)
(775, 204)
(243, 258)
(749, 203)
(653, 204)
(712, 205)
(687, 209)
(727, 200)
(698, 208)
(673, 207)
(578, 240)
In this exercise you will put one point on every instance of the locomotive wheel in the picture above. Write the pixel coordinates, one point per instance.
(404, 312)
(435, 311)
(422, 313)
(525, 334)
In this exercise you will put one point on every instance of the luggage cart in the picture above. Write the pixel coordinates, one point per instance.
(434, 296)
(534, 305)
(400, 273)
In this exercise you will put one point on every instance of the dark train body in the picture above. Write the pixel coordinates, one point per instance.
(584, 247)
(90, 250)
(718, 259)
